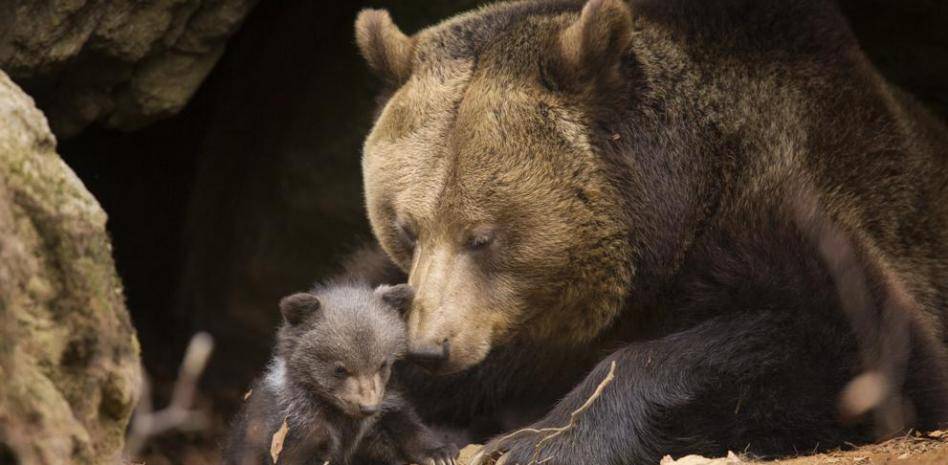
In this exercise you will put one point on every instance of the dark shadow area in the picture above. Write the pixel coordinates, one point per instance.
(908, 41)
(252, 192)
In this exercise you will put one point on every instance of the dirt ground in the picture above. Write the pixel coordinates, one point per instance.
(914, 449)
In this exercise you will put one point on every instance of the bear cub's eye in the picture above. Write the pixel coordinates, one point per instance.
(341, 371)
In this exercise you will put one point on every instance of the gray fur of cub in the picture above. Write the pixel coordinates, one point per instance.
(327, 381)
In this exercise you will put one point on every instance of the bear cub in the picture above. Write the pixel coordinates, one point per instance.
(324, 391)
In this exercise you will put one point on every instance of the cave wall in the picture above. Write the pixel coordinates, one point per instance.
(121, 63)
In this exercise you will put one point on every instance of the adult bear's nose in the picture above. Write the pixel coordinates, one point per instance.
(429, 356)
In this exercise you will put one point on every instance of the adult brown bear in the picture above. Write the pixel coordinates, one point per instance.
(723, 198)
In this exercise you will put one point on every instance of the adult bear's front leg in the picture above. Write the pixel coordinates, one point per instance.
(767, 383)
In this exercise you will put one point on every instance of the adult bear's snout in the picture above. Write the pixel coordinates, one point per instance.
(430, 356)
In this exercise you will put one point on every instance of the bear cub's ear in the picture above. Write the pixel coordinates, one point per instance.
(295, 308)
(399, 297)
(386, 49)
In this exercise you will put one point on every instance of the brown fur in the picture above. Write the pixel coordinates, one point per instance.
(387, 49)
(610, 150)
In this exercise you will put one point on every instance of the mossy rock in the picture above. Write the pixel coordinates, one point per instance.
(69, 358)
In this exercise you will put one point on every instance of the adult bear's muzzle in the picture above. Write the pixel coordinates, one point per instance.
(449, 328)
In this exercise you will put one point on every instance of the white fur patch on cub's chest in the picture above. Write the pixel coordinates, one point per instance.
(275, 378)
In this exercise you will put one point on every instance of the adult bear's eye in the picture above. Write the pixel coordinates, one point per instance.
(478, 242)
(406, 232)
(479, 238)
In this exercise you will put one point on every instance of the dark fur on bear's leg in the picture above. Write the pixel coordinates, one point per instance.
(706, 390)
(742, 385)
(763, 376)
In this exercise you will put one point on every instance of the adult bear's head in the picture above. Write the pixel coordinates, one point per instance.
(484, 176)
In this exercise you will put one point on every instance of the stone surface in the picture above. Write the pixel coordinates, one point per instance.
(69, 358)
(124, 63)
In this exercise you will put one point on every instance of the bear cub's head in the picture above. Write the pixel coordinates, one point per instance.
(339, 342)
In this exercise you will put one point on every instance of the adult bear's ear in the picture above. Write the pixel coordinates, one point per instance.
(398, 297)
(384, 46)
(594, 46)
(297, 307)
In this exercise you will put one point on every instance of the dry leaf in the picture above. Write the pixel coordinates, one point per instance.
(276, 444)
(938, 434)
(247, 394)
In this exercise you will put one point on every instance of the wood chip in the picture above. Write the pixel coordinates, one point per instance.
(276, 444)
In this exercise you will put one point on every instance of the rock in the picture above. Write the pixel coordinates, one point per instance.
(69, 358)
(124, 63)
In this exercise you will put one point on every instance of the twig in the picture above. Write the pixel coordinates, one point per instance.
(179, 414)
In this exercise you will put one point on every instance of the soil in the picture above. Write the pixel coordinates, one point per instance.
(914, 449)
(909, 450)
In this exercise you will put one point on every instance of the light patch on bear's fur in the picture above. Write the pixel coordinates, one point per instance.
(275, 378)
(422, 111)
(569, 125)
